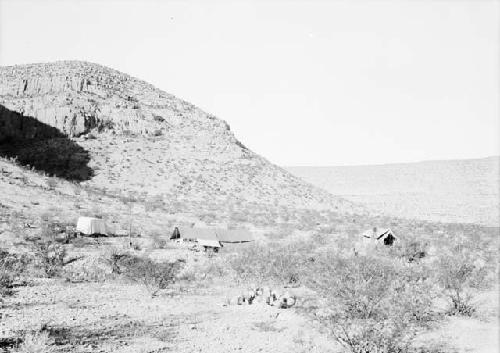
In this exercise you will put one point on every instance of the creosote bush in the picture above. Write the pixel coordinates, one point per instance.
(12, 267)
(153, 275)
(158, 241)
(459, 274)
(52, 183)
(51, 257)
(49, 253)
(375, 304)
(275, 263)
(36, 342)
(410, 250)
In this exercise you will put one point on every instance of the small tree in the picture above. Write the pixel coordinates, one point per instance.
(52, 183)
(272, 263)
(36, 342)
(459, 274)
(154, 276)
(375, 305)
(48, 252)
(11, 269)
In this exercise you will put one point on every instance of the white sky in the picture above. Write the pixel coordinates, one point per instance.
(300, 82)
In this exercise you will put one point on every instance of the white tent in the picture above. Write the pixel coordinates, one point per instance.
(209, 243)
(90, 225)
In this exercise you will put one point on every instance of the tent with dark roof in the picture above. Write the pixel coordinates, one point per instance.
(210, 244)
(383, 235)
(193, 234)
(206, 237)
(213, 234)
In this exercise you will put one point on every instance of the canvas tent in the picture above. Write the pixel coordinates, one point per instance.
(176, 233)
(210, 244)
(384, 235)
(212, 234)
(90, 226)
(193, 234)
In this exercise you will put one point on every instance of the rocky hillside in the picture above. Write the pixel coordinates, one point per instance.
(88, 123)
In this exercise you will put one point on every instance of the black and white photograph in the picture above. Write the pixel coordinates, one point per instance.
(220, 176)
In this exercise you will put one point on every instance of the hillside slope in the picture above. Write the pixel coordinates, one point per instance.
(85, 122)
(446, 191)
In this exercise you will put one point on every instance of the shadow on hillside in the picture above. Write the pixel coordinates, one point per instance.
(41, 146)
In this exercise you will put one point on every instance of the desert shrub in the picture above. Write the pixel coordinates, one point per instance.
(321, 238)
(153, 275)
(271, 263)
(212, 267)
(50, 256)
(374, 304)
(460, 273)
(49, 253)
(52, 183)
(216, 267)
(106, 124)
(117, 259)
(411, 249)
(158, 118)
(160, 240)
(37, 342)
(12, 267)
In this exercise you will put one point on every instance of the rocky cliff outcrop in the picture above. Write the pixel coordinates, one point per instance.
(78, 97)
(147, 141)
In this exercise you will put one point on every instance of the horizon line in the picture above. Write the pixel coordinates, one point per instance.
(390, 163)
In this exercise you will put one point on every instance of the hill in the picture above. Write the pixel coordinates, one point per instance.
(445, 191)
(87, 123)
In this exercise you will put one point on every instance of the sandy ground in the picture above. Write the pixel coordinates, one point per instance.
(120, 317)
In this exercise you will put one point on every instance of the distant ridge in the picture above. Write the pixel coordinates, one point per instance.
(393, 163)
(438, 190)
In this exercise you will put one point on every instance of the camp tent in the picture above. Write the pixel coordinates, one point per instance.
(206, 237)
(176, 233)
(384, 235)
(90, 226)
(213, 234)
(210, 244)
(193, 234)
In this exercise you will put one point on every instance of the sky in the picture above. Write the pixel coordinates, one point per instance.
(299, 82)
